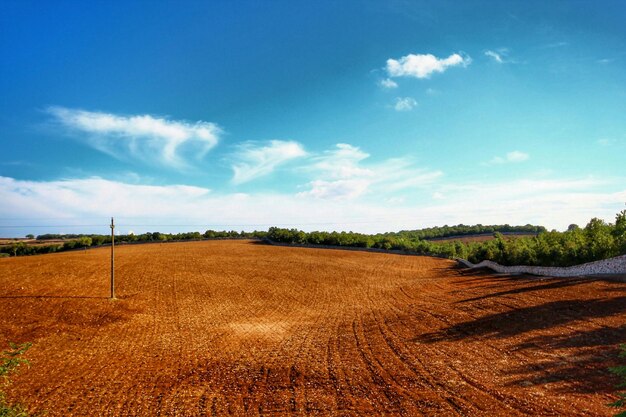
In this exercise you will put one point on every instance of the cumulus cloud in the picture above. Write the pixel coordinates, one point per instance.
(388, 83)
(511, 157)
(423, 65)
(145, 138)
(404, 104)
(254, 161)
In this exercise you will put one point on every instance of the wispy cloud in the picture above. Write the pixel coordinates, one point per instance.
(501, 56)
(254, 161)
(345, 189)
(510, 157)
(554, 203)
(149, 139)
(343, 161)
(342, 173)
(423, 65)
(495, 56)
(404, 104)
(388, 83)
(554, 45)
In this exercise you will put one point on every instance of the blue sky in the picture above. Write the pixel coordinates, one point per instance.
(365, 116)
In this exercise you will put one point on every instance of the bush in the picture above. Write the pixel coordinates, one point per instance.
(10, 361)
(621, 372)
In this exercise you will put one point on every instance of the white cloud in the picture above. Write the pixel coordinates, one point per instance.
(501, 56)
(256, 161)
(554, 203)
(517, 156)
(511, 157)
(338, 189)
(341, 162)
(388, 83)
(404, 104)
(341, 173)
(423, 65)
(495, 56)
(143, 137)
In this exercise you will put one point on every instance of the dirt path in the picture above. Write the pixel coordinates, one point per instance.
(234, 327)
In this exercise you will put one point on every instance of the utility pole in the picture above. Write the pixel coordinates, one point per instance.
(112, 259)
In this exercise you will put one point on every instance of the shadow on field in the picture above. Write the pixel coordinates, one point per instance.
(586, 372)
(604, 336)
(573, 360)
(522, 320)
(544, 284)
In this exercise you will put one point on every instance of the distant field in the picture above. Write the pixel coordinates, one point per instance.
(241, 328)
(34, 242)
(479, 238)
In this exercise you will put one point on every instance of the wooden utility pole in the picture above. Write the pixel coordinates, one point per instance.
(112, 259)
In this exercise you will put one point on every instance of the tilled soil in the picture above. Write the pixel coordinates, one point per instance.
(241, 328)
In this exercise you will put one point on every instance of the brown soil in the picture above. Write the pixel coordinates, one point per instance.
(241, 328)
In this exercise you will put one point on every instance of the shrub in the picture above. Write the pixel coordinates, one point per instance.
(621, 372)
(10, 361)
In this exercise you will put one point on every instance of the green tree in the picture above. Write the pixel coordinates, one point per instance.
(619, 231)
(84, 242)
(600, 242)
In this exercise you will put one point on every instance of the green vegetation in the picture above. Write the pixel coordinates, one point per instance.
(464, 230)
(10, 361)
(78, 241)
(621, 372)
(598, 240)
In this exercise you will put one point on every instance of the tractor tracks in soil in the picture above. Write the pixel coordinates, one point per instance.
(238, 328)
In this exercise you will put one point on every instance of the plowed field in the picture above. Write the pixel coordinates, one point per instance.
(235, 327)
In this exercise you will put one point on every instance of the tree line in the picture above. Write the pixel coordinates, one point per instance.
(465, 230)
(597, 240)
(81, 241)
